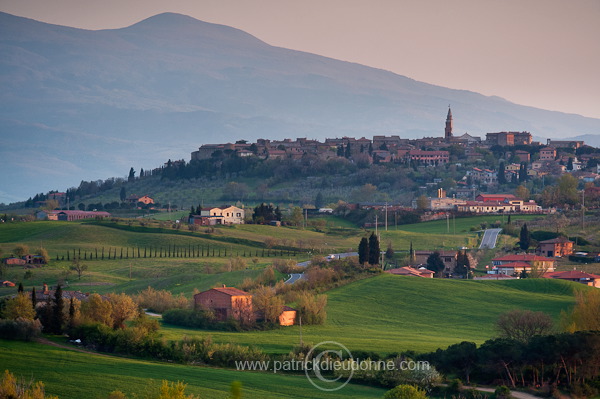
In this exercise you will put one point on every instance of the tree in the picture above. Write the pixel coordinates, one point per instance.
(363, 251)
(411, 254)
(78, 266)
(570, 164)
(405, 392)
(58, 318)
(463, 265)
(266, 303)
(374, 250)
(585, 314)
(33, 298)
(122, 194)
(20, 289)
(521, 325)
(297, 218)
(319, 202)
(123, 309)
(501, 173)
(524, 238)
(18, 307)
(422, 203)
(98, 310)
(10, 387)
(21, 250)
(389, 252)
(522, 192)
(131, 176)
(50, 205)
(523, 172)
(435, 263)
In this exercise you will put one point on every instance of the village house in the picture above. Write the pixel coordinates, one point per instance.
(428, 157)
(548, 154)
(486, 207)
(448, 257)
(577, 276)
(508, 138)
(556, 247)
(515, 264)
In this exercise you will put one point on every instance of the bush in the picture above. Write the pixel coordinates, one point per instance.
(20, 329)
(405, 392)
(160, 300)
(502, 392)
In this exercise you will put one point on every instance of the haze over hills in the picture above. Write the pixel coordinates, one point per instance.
(78, 104)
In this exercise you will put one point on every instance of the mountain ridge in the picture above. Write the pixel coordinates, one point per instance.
(100, 101)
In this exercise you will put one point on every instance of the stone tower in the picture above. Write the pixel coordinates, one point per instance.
(448, 131)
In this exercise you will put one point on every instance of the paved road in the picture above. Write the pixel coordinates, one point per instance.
(297, 276)
(489, 238)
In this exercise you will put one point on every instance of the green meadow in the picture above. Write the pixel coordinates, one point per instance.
(75, 375)
(388, 313)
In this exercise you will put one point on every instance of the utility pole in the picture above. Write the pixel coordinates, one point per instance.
(376, 233)
(583, 209)
(386, 217)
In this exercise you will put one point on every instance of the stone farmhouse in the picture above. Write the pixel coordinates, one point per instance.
(212, 216)
(556, 247)
(515, 264)
(232, 303)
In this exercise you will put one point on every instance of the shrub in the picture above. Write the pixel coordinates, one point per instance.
(20, 329)
(405, 392)
(160, 300)
(502, 392)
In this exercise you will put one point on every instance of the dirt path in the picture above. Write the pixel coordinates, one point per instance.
(514, 394)
(46, 341)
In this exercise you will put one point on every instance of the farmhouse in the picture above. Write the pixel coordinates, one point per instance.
(448, 257)
(224, 215)
(231, 303)
(70, 215)
(226, 302)
(557, 247)
(578, 276)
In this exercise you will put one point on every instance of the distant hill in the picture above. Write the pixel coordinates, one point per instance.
(78, 104)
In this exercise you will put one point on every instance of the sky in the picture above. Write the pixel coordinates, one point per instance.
(541, 53)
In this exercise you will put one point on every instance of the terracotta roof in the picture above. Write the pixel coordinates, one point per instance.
(523, 258)
(571, 275)
(556, 240)
(516, 264)
(231, 291)
(409, 271)
(287, 309)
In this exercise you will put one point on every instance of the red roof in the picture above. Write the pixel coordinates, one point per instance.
(571, 275)
(516, 264)
(231, 291)
(410, 271)
(523, 258)
(556, 240)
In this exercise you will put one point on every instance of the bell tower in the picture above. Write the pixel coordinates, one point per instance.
(448, 131)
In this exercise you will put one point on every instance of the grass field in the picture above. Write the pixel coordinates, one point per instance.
(75, 375)
(389, 314)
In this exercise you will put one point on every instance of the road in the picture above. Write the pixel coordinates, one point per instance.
(297, 276)
(489, 238)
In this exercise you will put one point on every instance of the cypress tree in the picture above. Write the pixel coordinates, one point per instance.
(57, 311)
(524, 238)
(374, 250)
(363, 251)
(33, 297)
(20, 289)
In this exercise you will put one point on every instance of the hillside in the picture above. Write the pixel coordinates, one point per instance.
(77, 102)
(389, 313)
(103, 374)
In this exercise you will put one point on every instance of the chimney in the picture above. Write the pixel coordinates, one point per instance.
(45, 289)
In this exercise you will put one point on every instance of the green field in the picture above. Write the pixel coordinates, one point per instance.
(389, 314)
(75, 375)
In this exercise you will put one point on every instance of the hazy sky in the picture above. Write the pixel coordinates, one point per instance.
(544, 53)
